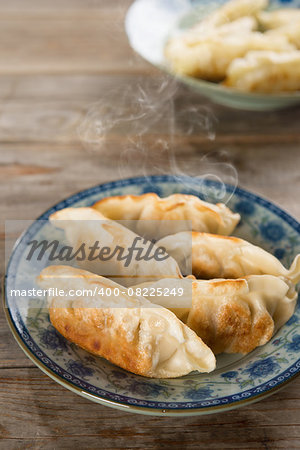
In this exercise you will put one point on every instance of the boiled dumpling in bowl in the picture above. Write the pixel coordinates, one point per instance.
(278, 18)
(265, 72)
(291, 32)
(233, 10)
(241, 46)
(235, 16)
(199, 33)
(208, 59)
(211, 57)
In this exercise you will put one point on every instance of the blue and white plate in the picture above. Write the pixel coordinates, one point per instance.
(149, 23)
(238, 380)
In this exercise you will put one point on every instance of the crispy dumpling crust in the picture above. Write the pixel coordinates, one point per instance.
(236, 316)
(129, 331)
(232, 316)
(225, 321)
(81, 326)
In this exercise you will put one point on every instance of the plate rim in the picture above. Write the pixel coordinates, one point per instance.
(150, 410)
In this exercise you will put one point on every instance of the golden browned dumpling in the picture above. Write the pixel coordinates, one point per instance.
(129, 331)
(184, 210)
(236, 316)
(265, 72)
(232, 316)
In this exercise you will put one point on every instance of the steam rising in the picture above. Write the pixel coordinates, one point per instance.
(148, 121)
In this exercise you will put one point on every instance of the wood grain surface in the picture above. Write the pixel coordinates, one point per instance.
(64, 65)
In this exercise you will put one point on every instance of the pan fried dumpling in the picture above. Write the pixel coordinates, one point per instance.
(187, 209)
(210, 58)
(232, 316)
(175, 295)
(87, 226)
(131, 332)
(278, 18)
(216, 256)
(236, 316)
(266, 72)
(233, 10)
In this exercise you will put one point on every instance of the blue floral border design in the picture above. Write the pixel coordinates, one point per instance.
(23, 334)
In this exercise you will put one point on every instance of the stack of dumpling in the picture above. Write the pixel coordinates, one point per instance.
(234, 295)
(243, 46)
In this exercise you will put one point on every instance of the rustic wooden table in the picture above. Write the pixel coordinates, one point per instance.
(58, 58)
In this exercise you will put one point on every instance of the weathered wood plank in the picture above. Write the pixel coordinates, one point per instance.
(20, 6)
(67, 41)
(45, 415)
(60, 170)
(59, 122)
(40, 108)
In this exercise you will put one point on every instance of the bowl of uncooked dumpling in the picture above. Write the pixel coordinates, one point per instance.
(240, 53)
(210, 323)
